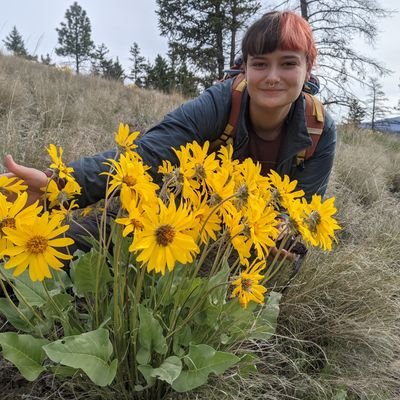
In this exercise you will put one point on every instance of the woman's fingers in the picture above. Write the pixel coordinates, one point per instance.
(17, 169)
(34, 178)
(283, 254)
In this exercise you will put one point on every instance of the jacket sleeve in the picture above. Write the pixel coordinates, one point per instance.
(313, 177)
(203, 118)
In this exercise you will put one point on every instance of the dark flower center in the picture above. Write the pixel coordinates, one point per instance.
(37, 244)
(165, 235)
(247, 285)
(7, 223)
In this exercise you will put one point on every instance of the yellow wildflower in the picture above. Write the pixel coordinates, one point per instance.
(225, 154)
(130, 173)
(133, 221)
(238, 236)
(202, 163)
(10, 213)
(35, 241)
(58, 197)
(318, 226)
(11, 185)
(208, 223)
(261, 226)
(282, 191)
(249, 183)
(221, 187)
(165, 238)
(124, 139)
(248, 286)
(60, 169)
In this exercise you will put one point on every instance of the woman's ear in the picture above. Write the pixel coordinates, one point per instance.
(308, 74)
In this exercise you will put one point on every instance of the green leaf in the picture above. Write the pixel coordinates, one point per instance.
(25, 352)
(33, 292)
(150, 336)
(247, 365)
(61, 280)
(84, 273)
(218, 293)
(90, 351)
(64, 372)
(341, 394)
(122, 243)
(169, 370)
(14, 317)
(146, 372)
(181, 340)
(201, 361)
(267, 319)
(62, 301)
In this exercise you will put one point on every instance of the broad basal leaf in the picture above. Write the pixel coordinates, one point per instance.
(150, 336)
(91, 352)
(201, 361)
(25, 352)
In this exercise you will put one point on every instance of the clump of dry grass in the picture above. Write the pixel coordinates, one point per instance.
(339, 327)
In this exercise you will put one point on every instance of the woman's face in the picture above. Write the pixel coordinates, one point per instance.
(275, 80)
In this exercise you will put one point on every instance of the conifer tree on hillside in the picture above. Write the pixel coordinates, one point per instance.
(377, 102)
(15, 43)
(74, 36)
(139, 66)
(185, 81)
(160, 75)
(99, 62)
(46, 60)
(356, 112)
(106, 67)
(114, 70)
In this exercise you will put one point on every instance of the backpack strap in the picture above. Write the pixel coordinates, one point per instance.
(227, 137)
(315, 118)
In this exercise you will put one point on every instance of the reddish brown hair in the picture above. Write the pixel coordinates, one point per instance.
(280, 30)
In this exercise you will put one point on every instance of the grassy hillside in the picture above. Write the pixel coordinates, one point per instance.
(339, 335)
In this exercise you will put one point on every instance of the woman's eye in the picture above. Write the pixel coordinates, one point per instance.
(289, 64)
(259, 65)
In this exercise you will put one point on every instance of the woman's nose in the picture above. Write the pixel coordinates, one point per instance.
(272, 77)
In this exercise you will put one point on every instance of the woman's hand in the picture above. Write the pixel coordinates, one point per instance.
(32, 177)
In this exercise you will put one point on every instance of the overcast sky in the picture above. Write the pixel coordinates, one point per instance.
(119, 23)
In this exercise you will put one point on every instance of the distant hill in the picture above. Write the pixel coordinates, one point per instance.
(390, 125)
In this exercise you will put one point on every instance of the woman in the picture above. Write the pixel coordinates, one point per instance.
(278, 53)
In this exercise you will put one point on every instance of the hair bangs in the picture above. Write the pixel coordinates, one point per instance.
(280, 30)
(263, 38)
(296, 35)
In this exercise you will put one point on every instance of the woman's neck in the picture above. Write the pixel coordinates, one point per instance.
(267, 124)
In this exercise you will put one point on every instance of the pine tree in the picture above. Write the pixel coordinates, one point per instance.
(100, 64)
(205, 31)
(139, 65)
(114, 70)
(185, 81)
(46, 60)
(74, 36)
(15, 43)
(356, 112)
(376, 101)
(159, 76)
